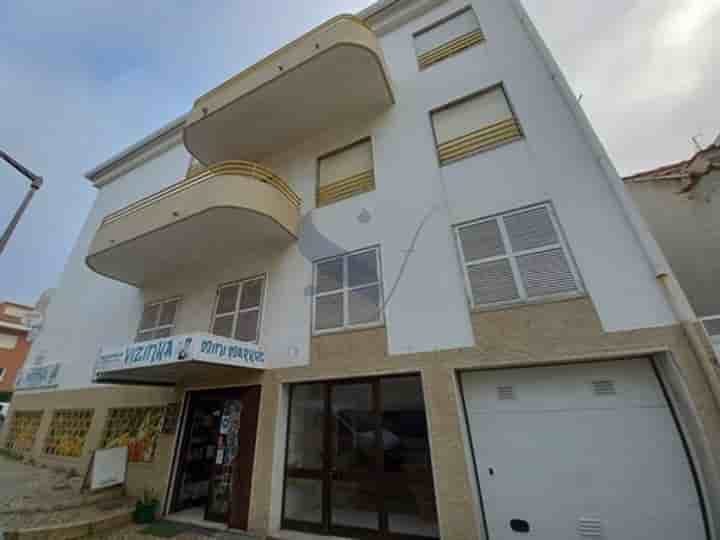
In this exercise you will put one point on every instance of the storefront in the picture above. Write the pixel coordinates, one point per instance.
(214, 461)
(214, 451)
(358, 459)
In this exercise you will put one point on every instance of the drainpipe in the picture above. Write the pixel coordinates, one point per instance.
(673, 292)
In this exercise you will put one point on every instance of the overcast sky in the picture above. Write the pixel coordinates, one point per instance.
(82, 79)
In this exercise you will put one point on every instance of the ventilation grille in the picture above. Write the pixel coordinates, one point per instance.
(604, 388)
(590, 528)
(506, 393)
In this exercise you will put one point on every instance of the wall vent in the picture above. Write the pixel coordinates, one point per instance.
(506, 392)
(590, 528)
(604, 388)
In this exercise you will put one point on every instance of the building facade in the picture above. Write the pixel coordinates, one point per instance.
(14, 345)
(680, 204)
(385, 282)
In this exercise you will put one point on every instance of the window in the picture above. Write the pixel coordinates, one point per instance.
(347, 291)
(358, 456)
(158, 320)
(23, 429)
(345, 173)
(68, 431)
(474, 124)
(2, 373)
(8, 341)
(447, 37)
(516, 257)
(237, 309)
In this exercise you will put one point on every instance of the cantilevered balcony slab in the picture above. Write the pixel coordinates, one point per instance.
(332, 75)
(232, 209)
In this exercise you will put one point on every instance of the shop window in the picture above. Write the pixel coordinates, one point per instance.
(348, 293)
(135, 427)
(158, 320)
(23, 429)
(474, 124)
(238, 309)
(345, 173)
(516, 257)
(447, 37)
(358, 459)
(68, 431)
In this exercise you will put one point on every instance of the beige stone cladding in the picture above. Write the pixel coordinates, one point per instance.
(151, 475)
(558, 332)
(550, 333)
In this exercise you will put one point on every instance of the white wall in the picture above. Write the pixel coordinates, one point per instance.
(89, 310)
(426, 304)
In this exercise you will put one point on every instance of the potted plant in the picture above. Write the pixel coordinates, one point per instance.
(146, 507)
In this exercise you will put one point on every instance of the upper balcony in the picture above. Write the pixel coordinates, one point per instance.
(331, 75)
(232, 207)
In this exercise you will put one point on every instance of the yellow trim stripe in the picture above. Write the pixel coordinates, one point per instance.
(450, 48)
(235, 168)
(345, 188)
(505, 131)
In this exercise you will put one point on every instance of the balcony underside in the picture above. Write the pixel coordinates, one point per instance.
(332, 75)
(198, 222)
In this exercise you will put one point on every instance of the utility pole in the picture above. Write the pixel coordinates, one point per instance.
(35, 183)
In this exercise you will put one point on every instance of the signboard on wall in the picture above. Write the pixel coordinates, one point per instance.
(109, 467)
(33, 377)
(177, 350)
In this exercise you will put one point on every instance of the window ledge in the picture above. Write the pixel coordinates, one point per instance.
(526, 303)
(348, 330)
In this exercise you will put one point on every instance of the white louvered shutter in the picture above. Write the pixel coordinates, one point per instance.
(517, 256)
(492, 282)
(543, 272)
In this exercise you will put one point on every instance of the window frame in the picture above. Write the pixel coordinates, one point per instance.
(339, 150)
(469, 97)
(440, 22)
(345, 290)
(260, 307)
(157, 327)
(512, 256)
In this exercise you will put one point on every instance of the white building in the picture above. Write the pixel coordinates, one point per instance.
(387, 282)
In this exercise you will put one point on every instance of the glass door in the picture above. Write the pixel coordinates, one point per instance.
(354, 458)
(358, 459)
(218, 504)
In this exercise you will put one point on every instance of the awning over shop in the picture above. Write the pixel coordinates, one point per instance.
(169, 361)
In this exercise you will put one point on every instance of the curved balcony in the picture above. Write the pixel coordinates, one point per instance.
(334, 74)
(229, 209)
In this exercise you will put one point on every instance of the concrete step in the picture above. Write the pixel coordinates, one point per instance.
(95, 522)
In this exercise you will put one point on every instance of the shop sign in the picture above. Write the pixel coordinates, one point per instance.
(187, 348)
(32, 377)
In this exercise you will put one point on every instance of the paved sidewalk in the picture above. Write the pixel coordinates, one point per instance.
(133, 532)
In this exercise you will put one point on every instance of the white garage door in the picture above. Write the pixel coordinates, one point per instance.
(583, 451)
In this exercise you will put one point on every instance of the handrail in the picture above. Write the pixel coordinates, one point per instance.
(239, 168)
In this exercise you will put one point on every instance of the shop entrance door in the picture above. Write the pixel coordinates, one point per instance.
(358, 460)
(214, 465)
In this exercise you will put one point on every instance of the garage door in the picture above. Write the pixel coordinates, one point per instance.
(582, 451)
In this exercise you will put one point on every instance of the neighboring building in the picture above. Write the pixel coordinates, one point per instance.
(14, 345)
(681, 204)
(385, 282)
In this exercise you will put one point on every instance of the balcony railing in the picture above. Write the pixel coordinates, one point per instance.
(235, 203)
